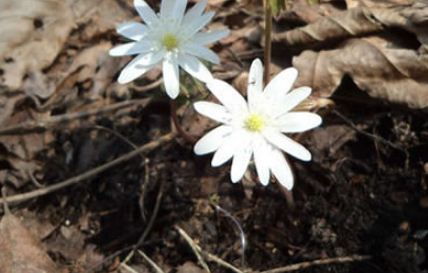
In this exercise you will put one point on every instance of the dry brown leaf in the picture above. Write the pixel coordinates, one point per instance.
(397, 75)
(189, 267)
(32, 34)
(359, 21)
(20, 251)
(377, 3)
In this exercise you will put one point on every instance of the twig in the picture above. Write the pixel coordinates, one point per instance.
(43, 125)
(268, 40)
(84, 176)
(148, 87)
(128, 268)
(151, 262)
(149, 225)
(208, 255)
(305, 265)
(196, 249)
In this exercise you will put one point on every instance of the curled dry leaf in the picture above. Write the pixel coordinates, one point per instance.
(397, 75)
(32, 34)
(360, 21)
(20, 251)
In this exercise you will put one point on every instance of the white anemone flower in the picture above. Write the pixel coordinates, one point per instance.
(255, 128)
(172, 38)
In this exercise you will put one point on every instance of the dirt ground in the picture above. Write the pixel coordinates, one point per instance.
(361, 204)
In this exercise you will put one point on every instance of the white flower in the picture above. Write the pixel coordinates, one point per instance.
(255, 128)
(171, 38)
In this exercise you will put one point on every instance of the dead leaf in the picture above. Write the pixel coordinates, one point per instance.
(397, 75)
(32, 34)
(360, 21)
(20, 251)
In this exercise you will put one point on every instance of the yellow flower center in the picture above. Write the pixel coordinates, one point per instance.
(170, 41)
(254, 123)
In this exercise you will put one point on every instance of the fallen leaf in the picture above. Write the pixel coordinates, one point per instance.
(32, 34)
(20, 251)
(394, 74)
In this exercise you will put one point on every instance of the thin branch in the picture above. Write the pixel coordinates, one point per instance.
(268, 40)
(91, 173)
(43, 125)
(305, 265)
(196, 249)
(151, 262)
(188, 138)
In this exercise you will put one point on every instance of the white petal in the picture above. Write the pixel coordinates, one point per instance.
(281, 170)
(228, 96)
(145, 11)
(240, 161)
(287, 145)
(171, 77)
(213, 111)
(212, 140)
(133, 70)
(132, 30)
(195, 24)
(195, 68)
(292, 99)
(261, 160)
(255, 83)
(209, 37)
(281, 83)
(130, 49)
(194, 12)
(295, 122)
(227, 148)
(201, 52)
(151, 58)
(173, 9)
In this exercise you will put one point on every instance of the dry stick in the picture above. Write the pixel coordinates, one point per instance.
(305, 265)
(151, 262)
(74, 180)
(149, 225)
(148, 87)
(268, 40)
(196, 249)
(43, 125)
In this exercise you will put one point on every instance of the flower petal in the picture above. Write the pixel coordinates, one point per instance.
(295, 122)
(287, 145)
(132, 30)
(240, 161)
(227, 148)
(194, 67)
(132, 71)
(212, 140)
(227, 95)
(171, 76)
(280, 169)
(255, 83)
(130, 49)
(292, 99)
(194, 12)
(195, 24)
(145, 11)
(209, 37)
(213, 111)
(173, 9)
(201, 52)
(281, 83)
(261, 160)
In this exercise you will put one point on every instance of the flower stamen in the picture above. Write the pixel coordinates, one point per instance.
(254, 123)
(170, 41)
